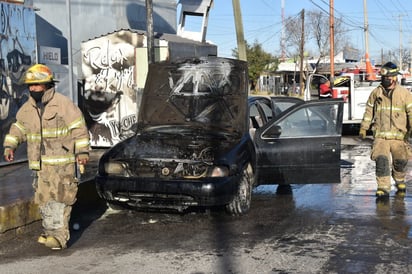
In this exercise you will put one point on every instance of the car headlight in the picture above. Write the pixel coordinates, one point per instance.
(117, 168)
(219, 171)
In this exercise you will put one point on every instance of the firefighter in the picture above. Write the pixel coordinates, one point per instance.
(57, 137)
(325, 90)
(388, 114)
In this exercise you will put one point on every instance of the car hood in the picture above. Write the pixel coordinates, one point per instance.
(209, 92)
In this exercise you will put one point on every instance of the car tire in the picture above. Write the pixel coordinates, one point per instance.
(243, 198)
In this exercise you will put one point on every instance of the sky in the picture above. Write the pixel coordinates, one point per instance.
(390, 22)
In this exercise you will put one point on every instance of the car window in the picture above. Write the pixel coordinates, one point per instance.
(313, 120)
(267, 111)
(259, 114)
(256, 120)
(282, 106)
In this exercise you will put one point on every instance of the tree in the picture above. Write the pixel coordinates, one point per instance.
(316, 33)
(393, 56)
(258, 61)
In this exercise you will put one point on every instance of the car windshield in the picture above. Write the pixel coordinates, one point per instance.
(210, 93)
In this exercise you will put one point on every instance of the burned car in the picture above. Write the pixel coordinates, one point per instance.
(202, 141)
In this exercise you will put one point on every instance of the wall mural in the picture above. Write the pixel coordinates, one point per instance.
(17, 53)
(110, 94)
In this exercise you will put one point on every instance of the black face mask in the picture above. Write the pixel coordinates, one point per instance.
(386, 82)
(36, 96)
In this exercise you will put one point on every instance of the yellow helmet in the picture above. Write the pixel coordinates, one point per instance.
(38, 74)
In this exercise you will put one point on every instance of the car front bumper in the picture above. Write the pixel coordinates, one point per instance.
(152, 192)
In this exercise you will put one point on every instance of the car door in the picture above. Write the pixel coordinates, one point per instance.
(302, 145)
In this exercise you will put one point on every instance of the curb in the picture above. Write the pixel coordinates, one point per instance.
(16, 215)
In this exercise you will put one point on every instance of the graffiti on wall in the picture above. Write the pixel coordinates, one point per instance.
(110, 94)
(17, 53)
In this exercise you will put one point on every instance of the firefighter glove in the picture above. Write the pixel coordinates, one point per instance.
(8, 154)
(362, 133)
(82, 158)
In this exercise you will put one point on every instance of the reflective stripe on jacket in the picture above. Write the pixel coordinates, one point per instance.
(55, 131)
(390, 114)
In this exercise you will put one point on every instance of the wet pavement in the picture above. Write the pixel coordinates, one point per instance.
(325, 228)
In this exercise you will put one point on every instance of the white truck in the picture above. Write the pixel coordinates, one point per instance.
(348, 86)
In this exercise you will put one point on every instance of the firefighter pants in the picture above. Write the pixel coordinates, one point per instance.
(390, 155)
(55, 193)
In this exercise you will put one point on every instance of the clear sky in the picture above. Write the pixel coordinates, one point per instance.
(262, 21)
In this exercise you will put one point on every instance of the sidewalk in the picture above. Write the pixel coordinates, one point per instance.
(17, 208)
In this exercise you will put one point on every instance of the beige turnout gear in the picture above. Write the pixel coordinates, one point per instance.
(389, 115)
(55, 132)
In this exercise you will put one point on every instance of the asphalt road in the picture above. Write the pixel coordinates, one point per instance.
(330, 228)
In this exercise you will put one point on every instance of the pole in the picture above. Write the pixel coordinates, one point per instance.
(366, 26)
(150, 32)
(69, 51)
(282, 39)
(239, 31)
(370, 74)
(302, 46)
(400, 43)
(331, 38)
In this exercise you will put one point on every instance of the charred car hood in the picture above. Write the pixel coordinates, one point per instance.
(209, 93)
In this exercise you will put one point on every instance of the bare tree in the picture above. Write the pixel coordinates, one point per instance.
(393, 56)
(316, 33)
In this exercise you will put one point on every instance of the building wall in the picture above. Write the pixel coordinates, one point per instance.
(17, 53)
(90, 19)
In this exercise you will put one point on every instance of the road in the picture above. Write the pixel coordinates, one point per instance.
(329, 228)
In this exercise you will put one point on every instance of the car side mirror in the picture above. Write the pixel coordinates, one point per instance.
(273, 132)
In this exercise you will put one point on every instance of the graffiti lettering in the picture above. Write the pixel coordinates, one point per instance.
(126, 124)
(129, 121)
(105, 58)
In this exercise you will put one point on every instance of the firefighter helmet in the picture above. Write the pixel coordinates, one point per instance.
(389, 69)
(38, 74)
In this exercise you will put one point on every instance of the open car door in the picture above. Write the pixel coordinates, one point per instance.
(302, 145)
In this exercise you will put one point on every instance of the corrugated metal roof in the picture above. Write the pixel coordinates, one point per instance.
(162, 36)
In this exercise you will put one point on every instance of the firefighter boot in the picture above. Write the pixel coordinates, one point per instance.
(401, 189)
(42, 239)
(53, 243)
(401, 186)
(382, 193)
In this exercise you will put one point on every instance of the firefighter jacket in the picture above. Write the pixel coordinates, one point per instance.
(389, 114)
(55, 130)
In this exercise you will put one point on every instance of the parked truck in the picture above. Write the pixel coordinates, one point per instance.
(348, 86)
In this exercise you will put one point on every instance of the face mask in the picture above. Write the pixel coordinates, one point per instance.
(386, 82)
(36, 96)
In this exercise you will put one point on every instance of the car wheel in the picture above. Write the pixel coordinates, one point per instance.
(242, 200)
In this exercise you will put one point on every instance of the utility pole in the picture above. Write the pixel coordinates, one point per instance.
(302, 46)
(332, 41)
(370, 75)
(282, 38)
(241, 47)
(366, 26)
(70, 52)
(400, 42)
(150, 32)
(410, 56)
